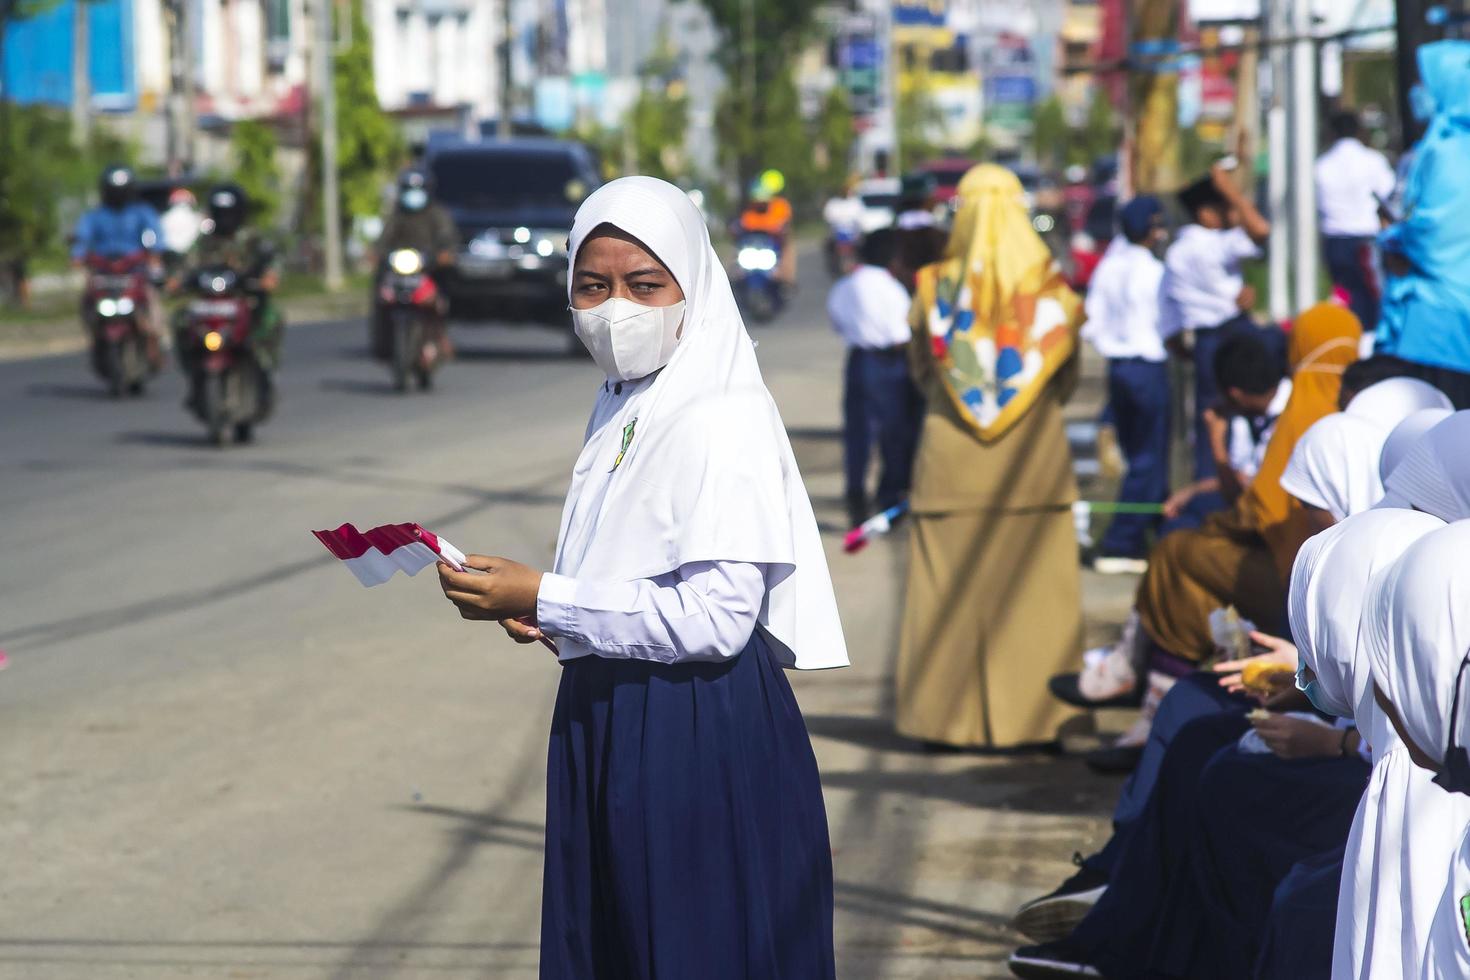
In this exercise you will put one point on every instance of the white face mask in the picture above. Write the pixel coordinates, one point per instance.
(629, 340)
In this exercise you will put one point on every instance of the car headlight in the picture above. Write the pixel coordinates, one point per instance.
(107, 307)
(213, 341)
(545, 247)
(1043, 223)
(124, 306)
(406, 262)
(754, 259)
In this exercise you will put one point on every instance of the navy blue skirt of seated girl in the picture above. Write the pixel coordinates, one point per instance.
(685, 831)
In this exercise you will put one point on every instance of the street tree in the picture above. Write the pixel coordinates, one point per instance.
(254, 144)
(836, 133)
(1050, 135)
(369, 145)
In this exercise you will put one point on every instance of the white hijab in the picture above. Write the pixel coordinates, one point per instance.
(695, 464)
(1330, 584)
(1335, 465)
(1419, 633)
(1405, 434)
(1435, 475)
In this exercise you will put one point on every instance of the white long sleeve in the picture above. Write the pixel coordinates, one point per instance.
(704, 611)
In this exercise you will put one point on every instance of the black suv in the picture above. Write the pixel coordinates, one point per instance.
(513, 202)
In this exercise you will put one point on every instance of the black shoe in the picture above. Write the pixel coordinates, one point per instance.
(1053, 916)
(1049, 960)
(858, 510)
(1116, 760)
(1065, 687)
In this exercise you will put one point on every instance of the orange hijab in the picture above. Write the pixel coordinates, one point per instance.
(1323, 342)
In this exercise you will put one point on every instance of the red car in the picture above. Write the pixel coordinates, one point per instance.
(946, 172)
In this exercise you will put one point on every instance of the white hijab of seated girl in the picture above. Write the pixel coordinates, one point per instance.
(695, 465)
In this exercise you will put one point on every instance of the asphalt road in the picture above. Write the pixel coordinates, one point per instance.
(221, 757)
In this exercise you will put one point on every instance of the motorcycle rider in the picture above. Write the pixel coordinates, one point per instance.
(119, 226)
(422, 224)
(226, 240)
(767, 212)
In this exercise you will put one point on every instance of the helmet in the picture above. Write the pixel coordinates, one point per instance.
(180, 195)
(227, 206)
(413, 190)
(117, 187)
(772, 182)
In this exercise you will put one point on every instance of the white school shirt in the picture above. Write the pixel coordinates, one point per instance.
(1248, 450)
(870, 309)
(1350, 179)
(703, 610)
(1123, 303)
(1202, 277)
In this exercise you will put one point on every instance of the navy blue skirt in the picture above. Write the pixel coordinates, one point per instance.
(685, 830)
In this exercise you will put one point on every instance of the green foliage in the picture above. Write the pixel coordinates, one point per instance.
(835, 135)
(1050, 134)
(920, 121)
(43, 175)
(254, 145)
(660, 119)
(369, 146)
(1101, 133)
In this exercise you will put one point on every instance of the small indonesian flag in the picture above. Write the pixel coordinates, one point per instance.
(374, 555)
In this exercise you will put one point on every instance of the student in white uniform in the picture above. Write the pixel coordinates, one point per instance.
(1123, 326)
(1353, 183)
(1204, 289)
(869, 309)
(685, 830)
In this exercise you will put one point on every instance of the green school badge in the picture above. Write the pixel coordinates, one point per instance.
(1465, 915)
(627, 438)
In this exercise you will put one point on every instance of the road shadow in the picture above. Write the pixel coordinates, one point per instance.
(188, 440)
(554, 354)
(72, 392)
(358, 386)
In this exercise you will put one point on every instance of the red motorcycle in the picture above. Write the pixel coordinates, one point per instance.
(114, 304)
(409, 300)
(229, 391)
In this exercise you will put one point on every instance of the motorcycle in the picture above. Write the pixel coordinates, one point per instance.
(759, 292)
(229, 391)
(409, 298)
(114, 303)
(841, 251)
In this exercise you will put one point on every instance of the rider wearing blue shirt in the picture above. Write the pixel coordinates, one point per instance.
(119, 226)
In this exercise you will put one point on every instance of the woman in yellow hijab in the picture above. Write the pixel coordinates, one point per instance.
(994, 592)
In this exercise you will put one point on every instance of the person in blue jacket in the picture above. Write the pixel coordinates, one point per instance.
(122, 225)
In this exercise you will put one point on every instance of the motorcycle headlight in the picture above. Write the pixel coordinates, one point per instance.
(124, 306)
(107, 307)
(406, 262)
(754, 259)
(545, 247)
(213, 341)
(1043, 223)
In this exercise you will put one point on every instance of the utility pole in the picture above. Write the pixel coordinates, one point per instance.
(630, 72)
(1412, 30)
(503, 128)
(890, 89)
(1277, 171)
(81, 74)
(1304, 152)
(327, 92)
(1154, 91)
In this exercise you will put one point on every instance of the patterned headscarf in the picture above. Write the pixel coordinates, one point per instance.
(999, 317)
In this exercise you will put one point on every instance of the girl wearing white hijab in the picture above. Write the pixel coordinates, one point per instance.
(1335, 465)
(685, 831)
(1420, 644)
(1435, 475)
(1393, 874)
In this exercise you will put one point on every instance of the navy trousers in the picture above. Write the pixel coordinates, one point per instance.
(1350, 265)
(1138, 405)
(879, 403)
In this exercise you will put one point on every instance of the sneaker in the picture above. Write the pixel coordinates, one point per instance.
(1052, 917)
(1049, 960)
(1119, 565)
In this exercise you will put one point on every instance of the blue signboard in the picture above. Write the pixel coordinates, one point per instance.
(1010, 89)
(924, 13)
(860, 53)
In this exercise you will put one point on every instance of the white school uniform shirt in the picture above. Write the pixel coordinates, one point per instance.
(687, 526)
(1247, 449)
(1202, 277)
(869, 309)
(844, 214)
(1123, 303)
(1351, 178)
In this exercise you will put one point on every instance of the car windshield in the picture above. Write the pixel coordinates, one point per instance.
(506, 180)
(889, 201)
(948, 178)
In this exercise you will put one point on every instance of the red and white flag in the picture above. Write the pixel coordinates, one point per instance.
(374, 555)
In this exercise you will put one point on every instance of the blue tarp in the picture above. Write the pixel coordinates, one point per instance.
(38, 55)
